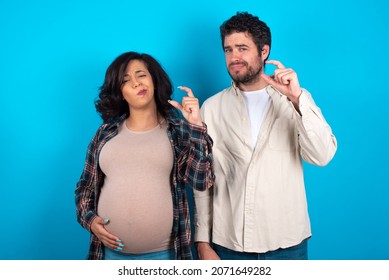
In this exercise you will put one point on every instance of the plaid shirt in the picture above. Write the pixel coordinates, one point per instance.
(193, 166)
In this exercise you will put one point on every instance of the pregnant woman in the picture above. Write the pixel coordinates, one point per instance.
(131, 194)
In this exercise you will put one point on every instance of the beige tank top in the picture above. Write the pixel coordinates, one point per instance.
(136, 196)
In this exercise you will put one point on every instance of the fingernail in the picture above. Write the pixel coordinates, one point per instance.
(106, 220)
(118, 249)
(121, 245)
(179, 87)
(118, 240)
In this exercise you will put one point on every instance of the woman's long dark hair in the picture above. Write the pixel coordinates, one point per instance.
(111, 105)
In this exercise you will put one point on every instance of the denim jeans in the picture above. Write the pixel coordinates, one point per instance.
(161, 255)
(298, 252)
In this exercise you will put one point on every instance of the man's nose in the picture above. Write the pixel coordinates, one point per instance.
(235, 55)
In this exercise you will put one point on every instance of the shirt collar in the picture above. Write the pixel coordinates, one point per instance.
(173, 117)
(270, 90)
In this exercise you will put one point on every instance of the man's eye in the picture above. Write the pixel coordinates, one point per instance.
(227, 50)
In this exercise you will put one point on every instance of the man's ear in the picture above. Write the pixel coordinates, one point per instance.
(265, 52)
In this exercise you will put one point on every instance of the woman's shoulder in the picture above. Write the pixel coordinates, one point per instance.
(108, 127)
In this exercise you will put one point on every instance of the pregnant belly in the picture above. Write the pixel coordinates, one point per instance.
(143, 227)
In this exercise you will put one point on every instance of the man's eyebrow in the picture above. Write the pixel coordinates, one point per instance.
(237, 45)
(241, 45)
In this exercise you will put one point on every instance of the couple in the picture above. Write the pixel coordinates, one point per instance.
(241, 153)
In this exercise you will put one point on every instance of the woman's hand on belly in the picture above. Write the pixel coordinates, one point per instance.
(108, 239)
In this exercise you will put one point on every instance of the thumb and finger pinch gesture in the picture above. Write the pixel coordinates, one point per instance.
(189, 108)
(285, 81)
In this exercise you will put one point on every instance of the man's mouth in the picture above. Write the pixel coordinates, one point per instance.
(236, 66)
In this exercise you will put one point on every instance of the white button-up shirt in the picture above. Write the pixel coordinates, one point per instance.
(259, 203)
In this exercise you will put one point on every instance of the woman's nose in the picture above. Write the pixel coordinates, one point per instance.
(135, 84)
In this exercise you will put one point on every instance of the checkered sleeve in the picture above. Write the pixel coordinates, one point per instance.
(196, 165)
(85, 193)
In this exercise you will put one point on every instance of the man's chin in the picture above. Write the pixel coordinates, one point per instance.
(237, 78)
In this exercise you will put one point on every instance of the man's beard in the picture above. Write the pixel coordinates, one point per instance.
(252, 75)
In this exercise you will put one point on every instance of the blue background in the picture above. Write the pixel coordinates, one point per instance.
(53, 56)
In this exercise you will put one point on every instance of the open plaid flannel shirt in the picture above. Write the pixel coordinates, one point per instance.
(193, 167)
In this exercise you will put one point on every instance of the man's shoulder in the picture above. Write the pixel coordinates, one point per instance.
(216, 98)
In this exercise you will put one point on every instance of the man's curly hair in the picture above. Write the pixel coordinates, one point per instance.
(245, 22)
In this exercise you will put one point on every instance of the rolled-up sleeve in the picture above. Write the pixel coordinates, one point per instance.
(318, 143)
(196, 163)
